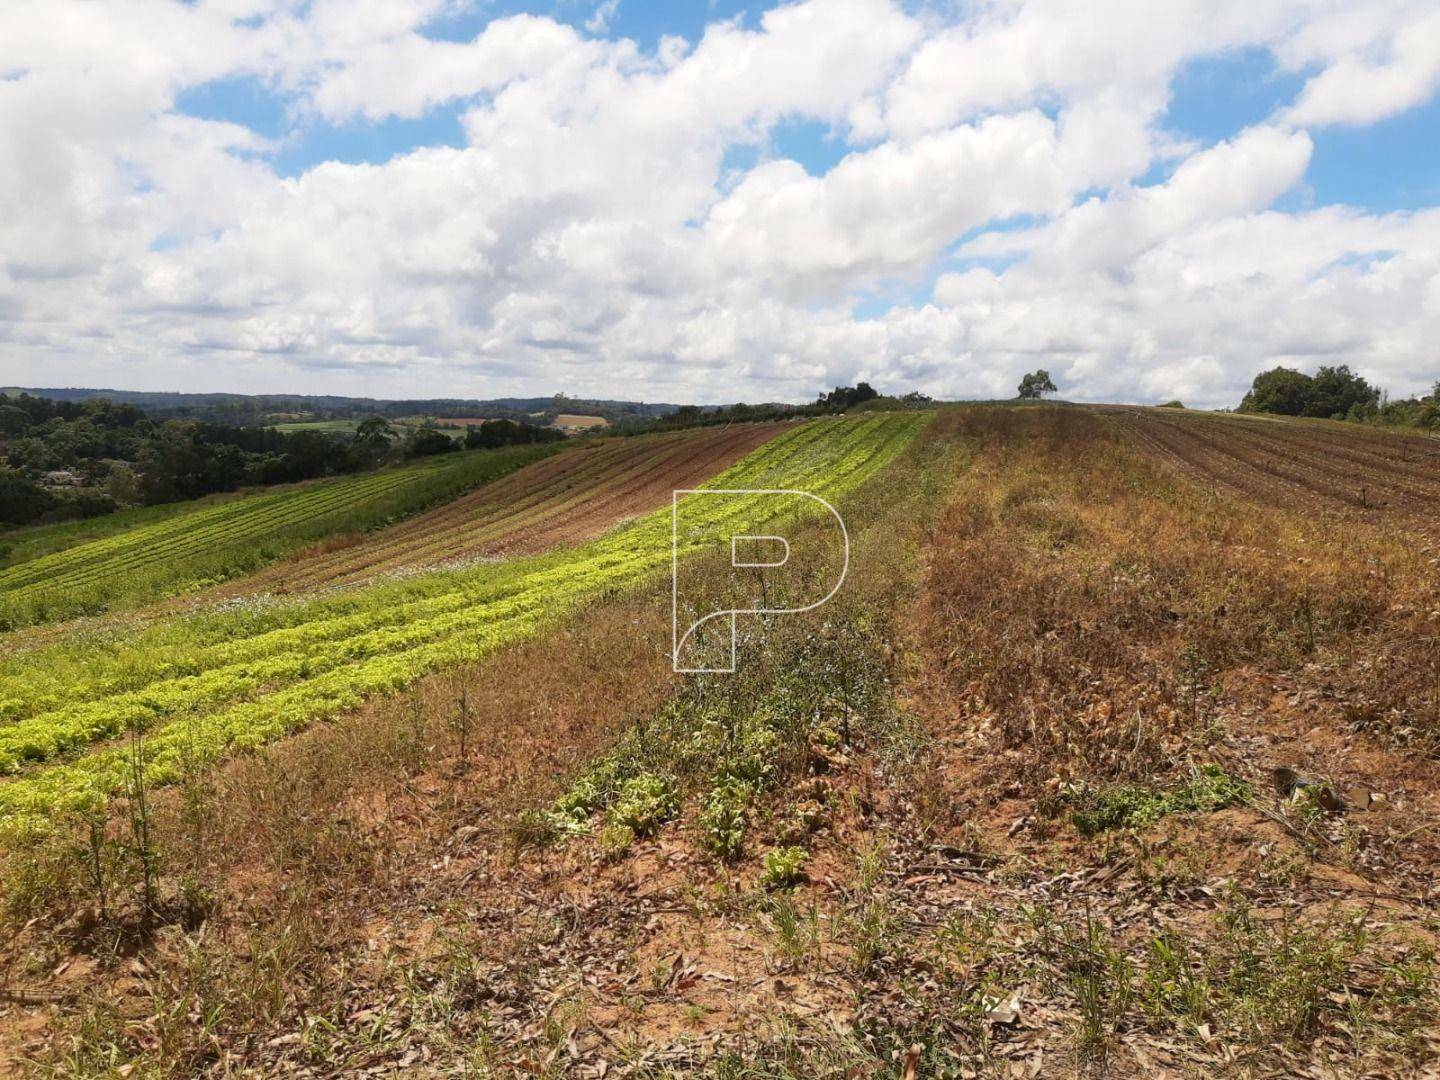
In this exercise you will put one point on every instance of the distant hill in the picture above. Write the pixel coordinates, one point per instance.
(258, 404)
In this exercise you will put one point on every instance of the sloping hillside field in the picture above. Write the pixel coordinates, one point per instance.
(210, 543)
(568, 498)
(1314, 464)
(206, 684)
(1117, 754)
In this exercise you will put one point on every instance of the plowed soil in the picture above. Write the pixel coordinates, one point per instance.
(566, 499)
(1296, 463)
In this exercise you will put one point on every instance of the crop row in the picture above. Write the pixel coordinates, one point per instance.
(241, 518)
(234, 684)
(220, 540)
(95, 671)
(565, 500)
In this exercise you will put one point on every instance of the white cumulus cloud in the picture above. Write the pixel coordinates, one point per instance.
(1002, 192)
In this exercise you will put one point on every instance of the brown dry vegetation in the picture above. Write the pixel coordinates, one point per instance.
(1310, 466)
(1092, 627)
(1028, 753)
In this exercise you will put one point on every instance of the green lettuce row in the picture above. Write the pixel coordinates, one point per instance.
(38, 683)
(215, 542)
(320, 686)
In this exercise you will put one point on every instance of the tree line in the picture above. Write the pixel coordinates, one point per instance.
(73, 459)
(1337, 393)
(830, 403)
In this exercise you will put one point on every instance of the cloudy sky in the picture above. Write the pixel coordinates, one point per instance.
(717, 202)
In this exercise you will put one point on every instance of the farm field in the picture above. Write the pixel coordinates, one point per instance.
(459, 423)
(570, 497)
(335, 427)
(25, 543)
(1297, 463)
(1118, 754)
(205, 685)
(809, 540)
(187, 549)
(580, 422)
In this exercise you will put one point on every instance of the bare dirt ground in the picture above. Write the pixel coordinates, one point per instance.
(1310, 465)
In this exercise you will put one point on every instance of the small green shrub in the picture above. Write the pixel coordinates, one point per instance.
(797, 932)
(1211, 788)
(536, 828)
(1126, 806)
(753, 758)
(783, 867)
(1100, 976)
(579, 802)
(802, 820)
(616, 839)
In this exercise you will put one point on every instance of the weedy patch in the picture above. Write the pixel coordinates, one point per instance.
(1257, 978)
(731, 743)
(644, 803)
(1097, 810)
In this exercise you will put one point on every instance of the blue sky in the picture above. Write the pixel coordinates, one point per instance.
(1391, 165)
(643, 23)
(1155, 205)
(309, 141)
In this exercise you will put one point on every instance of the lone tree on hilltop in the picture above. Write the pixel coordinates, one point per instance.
(1036, 385)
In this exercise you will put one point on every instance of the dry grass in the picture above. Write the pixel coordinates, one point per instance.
(1089, 601)
(1047, 626)
(1094, 628)
(301, 850)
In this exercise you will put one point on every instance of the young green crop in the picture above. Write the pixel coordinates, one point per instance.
(216, 541)
(102, 670)
(206, 686)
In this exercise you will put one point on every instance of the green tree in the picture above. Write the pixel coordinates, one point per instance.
(13, 420)
(21, 499)
(375, 432)
(1334, 392)
(427, 441)
(1427, 416)
(1283, 391)
(1337, 392)
(495, 433)
(847, 397)
(121, 483)
(1036, 384)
